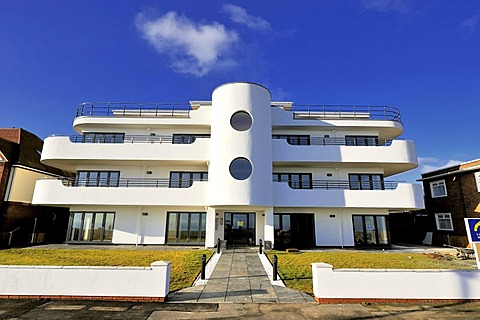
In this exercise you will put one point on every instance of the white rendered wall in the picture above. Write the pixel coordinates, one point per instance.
(227, 144)
(153, 281)
(394, 283)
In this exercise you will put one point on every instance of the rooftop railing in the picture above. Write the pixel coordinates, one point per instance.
(344, 112)
(342, 184)
(130, 182)
(133, 109)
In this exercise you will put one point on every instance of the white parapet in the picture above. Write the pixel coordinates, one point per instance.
(404, 284)
(405, 196)
(76, 281)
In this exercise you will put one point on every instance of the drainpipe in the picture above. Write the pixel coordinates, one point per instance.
(138, 226)
(462, 199)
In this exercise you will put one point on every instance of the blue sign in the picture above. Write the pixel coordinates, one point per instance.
(474, 226)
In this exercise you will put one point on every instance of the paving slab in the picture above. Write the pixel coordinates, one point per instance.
(239, 277)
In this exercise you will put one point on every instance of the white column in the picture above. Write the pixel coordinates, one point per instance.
(269, 231)
(210, 239)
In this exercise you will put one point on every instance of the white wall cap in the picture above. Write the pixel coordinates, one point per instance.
(160, 263)
(322, 265)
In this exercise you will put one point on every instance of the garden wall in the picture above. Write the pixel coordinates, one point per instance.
(73, 282)
(401, 285)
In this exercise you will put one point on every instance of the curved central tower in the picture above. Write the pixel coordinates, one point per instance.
(240, 172)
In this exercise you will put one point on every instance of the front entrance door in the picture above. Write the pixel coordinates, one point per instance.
(240, 228)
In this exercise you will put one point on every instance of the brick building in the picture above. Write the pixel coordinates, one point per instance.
(20, 167)
(452, 194)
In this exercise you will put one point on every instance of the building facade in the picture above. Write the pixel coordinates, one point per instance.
(452, 194)
(20, 167)
(239, 168)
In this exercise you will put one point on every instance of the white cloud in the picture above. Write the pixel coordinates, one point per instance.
(240, 15)
(193, 48)
(399, 6)
(428, 164)
(471, 23)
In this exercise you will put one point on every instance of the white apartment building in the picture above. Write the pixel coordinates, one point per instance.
(240, 168)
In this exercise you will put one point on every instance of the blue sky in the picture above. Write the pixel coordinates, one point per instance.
(420, 56)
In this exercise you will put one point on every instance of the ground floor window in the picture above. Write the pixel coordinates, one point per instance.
(370, 230)
(444, 221)
(186, 227)
(294, 230)
(91, 226)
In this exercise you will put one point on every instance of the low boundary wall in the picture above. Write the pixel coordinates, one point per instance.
(393, 285)
(74, 282)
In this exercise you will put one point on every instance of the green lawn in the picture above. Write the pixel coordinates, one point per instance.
(185, 264)
(296, 270)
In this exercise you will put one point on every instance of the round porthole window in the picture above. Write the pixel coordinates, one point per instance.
(241, 168)
(241, 121)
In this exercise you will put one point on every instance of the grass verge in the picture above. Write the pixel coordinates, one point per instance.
(296, 269)
(185, 264)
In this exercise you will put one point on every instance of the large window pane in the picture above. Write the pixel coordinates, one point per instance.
(371, 237)
(194, 227)
(203, 227)
(76, 226)
(98, 227)
(358, 230)
(108, 228)
(82, 178)
(172, 228)
(183, 227)
(382, 230)
(87, 226)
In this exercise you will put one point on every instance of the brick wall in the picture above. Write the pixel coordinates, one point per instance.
(10, 134)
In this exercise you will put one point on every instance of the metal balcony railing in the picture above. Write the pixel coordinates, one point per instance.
(134, 109)
(342, 184)
(134, 139)
(130, 182)
(345, 112)
(321, 141)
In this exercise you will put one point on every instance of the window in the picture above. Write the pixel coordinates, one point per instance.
(97, 179)
(241, 121)
(240, 168)
(438, 189)
(366, 181)
(179, 179)
(186, 227)
(477, 180)
(301, 140)
(444, 221)
(102, 137)
(295, 180)
(361, 140)
(91, 226)
(370, 230)
(187, 138)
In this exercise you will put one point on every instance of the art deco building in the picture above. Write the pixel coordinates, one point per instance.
(240, 167)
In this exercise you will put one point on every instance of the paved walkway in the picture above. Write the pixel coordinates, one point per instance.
(239, 277)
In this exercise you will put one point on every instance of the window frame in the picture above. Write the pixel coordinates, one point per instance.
(186, 178)
(447, 215)
(294, 139)
(299, 183)
(444, 188)
(201, 233)
(91, 227)
(187, 138)
(95, 180)
(362, 182)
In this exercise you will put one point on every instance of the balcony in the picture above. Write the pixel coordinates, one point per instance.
(393, 156)
(386, 119)
(68, 152)
(338, 194)
(138, 113)
(128, 192)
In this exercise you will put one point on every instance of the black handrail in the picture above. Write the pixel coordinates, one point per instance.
(342, 184)
(322, 141)
(345, 112)
(134, 109)
(129, 182)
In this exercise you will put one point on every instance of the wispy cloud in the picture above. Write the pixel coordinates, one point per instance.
(398, 6)
(192, 48)
(471, 23)
(427, 164)
(240, 15)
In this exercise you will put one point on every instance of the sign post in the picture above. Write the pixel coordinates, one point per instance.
(473, 232)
